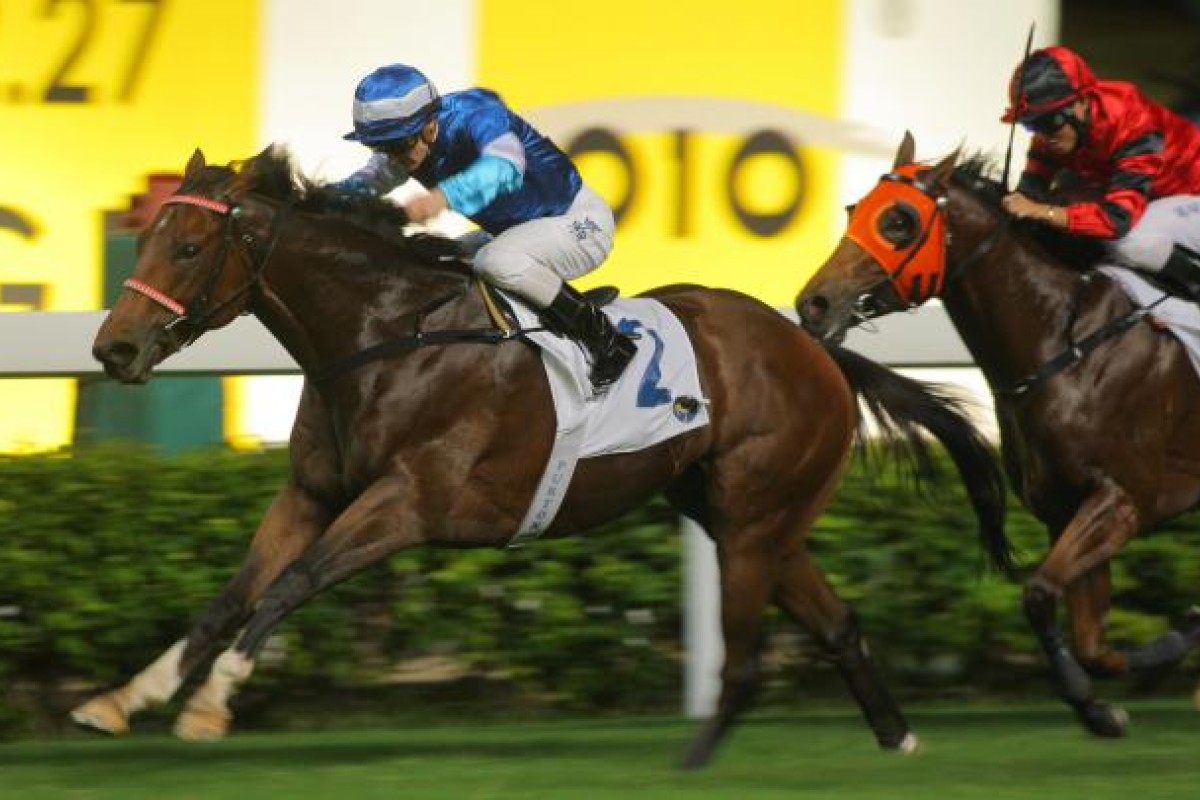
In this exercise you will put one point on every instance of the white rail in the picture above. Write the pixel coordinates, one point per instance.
(58, 344)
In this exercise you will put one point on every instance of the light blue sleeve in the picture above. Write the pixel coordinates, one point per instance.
(477, 186)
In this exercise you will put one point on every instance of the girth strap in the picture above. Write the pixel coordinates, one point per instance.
(1076, 351)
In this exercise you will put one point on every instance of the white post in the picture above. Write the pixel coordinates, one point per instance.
(704, 651)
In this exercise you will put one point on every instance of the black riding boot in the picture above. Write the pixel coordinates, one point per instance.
(1182, 272)
(572, 315)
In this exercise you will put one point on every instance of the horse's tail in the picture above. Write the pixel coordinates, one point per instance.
(900, 407)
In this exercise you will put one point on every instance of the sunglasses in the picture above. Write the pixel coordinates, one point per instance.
(1046, 124)
(398, 146)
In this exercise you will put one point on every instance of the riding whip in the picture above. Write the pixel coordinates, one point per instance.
(1012, 130)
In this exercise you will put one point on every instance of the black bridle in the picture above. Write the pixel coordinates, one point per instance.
(194, 321)
(867, 308)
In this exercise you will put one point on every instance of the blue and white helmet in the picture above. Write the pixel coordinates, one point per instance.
(392, 102)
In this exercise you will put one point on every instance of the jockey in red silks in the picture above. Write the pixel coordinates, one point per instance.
(1136, 161)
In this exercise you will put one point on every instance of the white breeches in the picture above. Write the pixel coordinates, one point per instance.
(1167, 221)
(534, 258)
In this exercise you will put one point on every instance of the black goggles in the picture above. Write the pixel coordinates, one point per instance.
(398, 146)
(1046, 124)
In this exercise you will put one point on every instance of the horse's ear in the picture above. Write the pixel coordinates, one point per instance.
(248, 171)
(942, 171)
(195, 163)
(907, 151)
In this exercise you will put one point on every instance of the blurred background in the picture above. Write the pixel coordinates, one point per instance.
(729, 137)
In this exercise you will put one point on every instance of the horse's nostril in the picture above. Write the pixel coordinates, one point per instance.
(117, 354)
(815, 307)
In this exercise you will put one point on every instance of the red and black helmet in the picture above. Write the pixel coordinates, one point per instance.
(1050, 79)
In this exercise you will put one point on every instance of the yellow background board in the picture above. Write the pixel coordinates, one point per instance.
(94, 95)
(682, 224)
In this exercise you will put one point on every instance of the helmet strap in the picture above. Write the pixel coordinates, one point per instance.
(1079, 123)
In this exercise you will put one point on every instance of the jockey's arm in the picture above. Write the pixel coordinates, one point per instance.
(1134, 165)
(499, 170)
(377, 177)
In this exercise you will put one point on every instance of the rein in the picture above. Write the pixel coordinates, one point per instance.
(196, 320)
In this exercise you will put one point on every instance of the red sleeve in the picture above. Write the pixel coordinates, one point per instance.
(1136, 158)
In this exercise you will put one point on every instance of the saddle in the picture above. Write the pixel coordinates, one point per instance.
(1085, 255)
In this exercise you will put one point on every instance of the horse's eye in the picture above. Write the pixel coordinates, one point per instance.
(187, 250)
(900, 224)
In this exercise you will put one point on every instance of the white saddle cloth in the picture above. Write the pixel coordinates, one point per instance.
(657, 398)
(1181, 317)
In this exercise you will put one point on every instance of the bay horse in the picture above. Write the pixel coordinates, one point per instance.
(441, 440)
(1098, 409)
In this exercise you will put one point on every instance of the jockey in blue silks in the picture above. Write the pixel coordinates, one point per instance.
(478, 158)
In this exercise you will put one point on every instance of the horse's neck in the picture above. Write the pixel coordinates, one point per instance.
(1011, 307)
(324, 304)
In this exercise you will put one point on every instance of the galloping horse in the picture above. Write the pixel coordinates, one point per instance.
(1099, 410)
(442, 440)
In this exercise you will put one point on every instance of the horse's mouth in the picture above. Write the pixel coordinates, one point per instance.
(129, 365)
(127, 375)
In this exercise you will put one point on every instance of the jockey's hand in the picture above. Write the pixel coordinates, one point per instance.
(426, 206)
(1022, 207)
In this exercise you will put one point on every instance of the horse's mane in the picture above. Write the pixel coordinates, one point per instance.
(275, 175)
(978, 175)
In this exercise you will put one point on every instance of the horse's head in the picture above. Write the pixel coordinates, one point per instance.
(198, 263)
(893, 255)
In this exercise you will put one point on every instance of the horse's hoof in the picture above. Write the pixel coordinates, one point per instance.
(1103, 720)
(908, 745)
(101, 714)
(202, 723)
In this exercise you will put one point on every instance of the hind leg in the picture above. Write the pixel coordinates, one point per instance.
(291, 523)
(746, 578)
(806, 596)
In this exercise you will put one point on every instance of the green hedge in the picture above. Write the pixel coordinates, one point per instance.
(107, 554)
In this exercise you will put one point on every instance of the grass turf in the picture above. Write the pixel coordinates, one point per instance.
(967, 753)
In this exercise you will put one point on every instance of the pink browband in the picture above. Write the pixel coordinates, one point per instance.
(197, 200)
